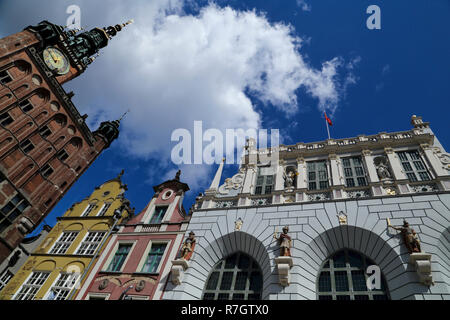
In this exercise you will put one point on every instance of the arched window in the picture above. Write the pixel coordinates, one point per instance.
(238, 277)
(343, 277)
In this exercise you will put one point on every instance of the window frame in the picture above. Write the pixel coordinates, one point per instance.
(31, 286)
(6, 216)
(68, 244)
(9, 119)
(106, 266)
(329, 266)
(221, 268)
(71, 277)
(161, 218)
(317, 179)
(264, 184)
(354, 175)
(410, 161)
(147, 252)
(90, 243)
(5, 277)
(7, 75)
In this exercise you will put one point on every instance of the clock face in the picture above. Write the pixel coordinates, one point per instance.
(56, 60)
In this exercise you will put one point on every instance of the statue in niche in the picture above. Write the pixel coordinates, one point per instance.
(289, 176)
(409, 236)
(284, 240)
(188, 246)
(382, 168)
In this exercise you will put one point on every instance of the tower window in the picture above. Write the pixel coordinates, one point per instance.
(46, 171)
(26, 106)
(27, 146)
(413, 165)
(13, 209)
(317, 175)
(5, 119)
(355, 175)
(5, 77)
(63, 155)
(45, 131)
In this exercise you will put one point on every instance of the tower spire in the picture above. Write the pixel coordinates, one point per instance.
(215, 183)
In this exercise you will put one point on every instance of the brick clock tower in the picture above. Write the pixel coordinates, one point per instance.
(45, 144)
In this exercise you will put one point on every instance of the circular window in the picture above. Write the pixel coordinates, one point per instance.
(167, 194)
(106, 193)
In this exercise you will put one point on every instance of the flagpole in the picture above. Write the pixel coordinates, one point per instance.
(328, 129)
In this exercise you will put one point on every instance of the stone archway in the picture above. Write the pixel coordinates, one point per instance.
(386, 252)
(208, 254)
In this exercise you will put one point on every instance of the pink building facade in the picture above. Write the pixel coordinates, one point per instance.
(136, 262)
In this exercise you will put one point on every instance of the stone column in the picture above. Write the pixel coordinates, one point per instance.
(301, 178)
(279, 180)
(250, 178)
(335, 172)
(395, 164)
(371, 170)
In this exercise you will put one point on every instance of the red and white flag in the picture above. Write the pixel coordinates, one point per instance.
(328, 119)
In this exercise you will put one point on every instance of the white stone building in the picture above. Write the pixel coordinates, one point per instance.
(343, 195)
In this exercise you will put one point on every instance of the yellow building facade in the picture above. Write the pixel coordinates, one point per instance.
(59, 265)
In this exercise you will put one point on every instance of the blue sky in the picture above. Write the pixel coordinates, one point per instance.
(382, 77)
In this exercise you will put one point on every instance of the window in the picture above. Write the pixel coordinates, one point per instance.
(264, 181)
(158, 215)
(46, 171)
(62, 155)
(26, 105)
(343, 277)
(317, 175)
(45, 132)
(88, 210)
(60, 290)
(154, 258)
(5, 119)
(13, 209)
(4, 278)
(29, 289)
(119, 257)
(104, 209)
(413, 165)
(238, 277)
(354, 173)
(91, 243)
(26, 146)
(5, 77)
(64, 242)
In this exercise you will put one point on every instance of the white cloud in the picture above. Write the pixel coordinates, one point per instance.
(303, 5)
(171, 68)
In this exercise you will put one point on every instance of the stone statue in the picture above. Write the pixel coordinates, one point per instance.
(284, 240)
(409, 236)
(238, 224)
(382, 168)
(177, 176)
(289, 178)
(188, 246)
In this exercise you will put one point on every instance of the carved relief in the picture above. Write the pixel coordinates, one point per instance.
(238, 224)
(233, 183)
